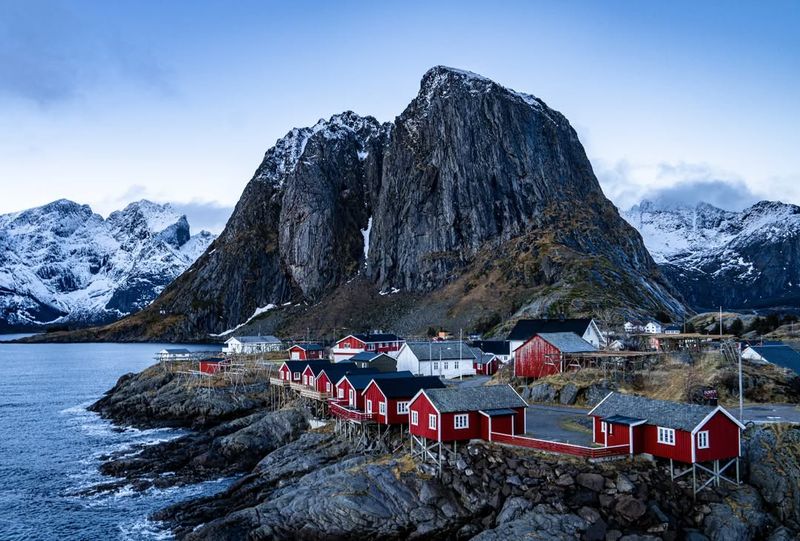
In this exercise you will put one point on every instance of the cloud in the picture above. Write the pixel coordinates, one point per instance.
(673, 184)
(49, 53)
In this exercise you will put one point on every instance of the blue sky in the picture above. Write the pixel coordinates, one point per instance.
(108, 102)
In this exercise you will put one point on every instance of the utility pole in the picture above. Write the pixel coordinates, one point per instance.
(720, 324)
(741, 400)
(460, 353)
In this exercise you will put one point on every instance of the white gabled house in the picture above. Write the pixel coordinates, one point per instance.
(653, 327)
(448, 360)
(252, 344)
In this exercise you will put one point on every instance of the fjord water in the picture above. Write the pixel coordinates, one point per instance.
(50, 445)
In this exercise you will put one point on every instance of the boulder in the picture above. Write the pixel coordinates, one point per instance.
(568, 394)
(597, 391)
(776, 475)
(592, 481)
(542, 392)
(739, 516)
(623, 484)
(629, 508)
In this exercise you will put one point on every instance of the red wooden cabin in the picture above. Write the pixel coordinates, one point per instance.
(487, 364)
(458, 413)
(312, 371)
(388, 399)
(351, 386)
(545, 354)
(306, 352)
(211, 365)
(688, 433)
(355, 343)
(292, 371)
(331, 374)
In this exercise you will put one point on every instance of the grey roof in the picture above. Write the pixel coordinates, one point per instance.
(367, 356)
(568, 342)
(444, 351)
(782, 355)
(308, 347)
(525, 329)
(498, 347)
(257, 339)
(359, 381)
(487, 397)
(486, 358)
(176, 351)
(655, 412)
(498, 412)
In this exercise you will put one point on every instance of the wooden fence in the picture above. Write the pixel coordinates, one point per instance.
(559, 447)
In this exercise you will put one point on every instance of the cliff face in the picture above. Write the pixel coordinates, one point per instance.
(477, 203)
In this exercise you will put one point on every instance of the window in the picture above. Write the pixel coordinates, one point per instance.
(382, 408)
(445, 365)
(296, 376)
(702, 439)
(341, 392)
(606, 428)
(435, 365)
(414, 418)
(328, 386)
(461, 421)
(352, 397)
(369, 406)
(402, 408)
(455, 365)
(432, 421)
(666, 436)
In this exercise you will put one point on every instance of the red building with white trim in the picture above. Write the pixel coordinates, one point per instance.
(351, 387)
(688, 433)
(465, 413)
(356, 343)
(306, 352)
(292, 371)
(388, 399)
(546, 354)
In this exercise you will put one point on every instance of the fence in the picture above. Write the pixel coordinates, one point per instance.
(559, 447)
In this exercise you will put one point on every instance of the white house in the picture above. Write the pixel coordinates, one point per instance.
(525, 329)
(449, 359)
(672, 329)
(252, 344)
(633, 326)
(653, 327)
(174, 354)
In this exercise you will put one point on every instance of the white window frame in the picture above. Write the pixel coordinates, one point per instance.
(436, 365)
(455, 365)
(432, 421)
(382, 408)
(369, 406)
(464, 418)
(296, 376)
(352, 398)
(328, 386)
(414, 417)
(402, 408)
(340, 392)
(446, 367)
(703, 439)
(603, 426)
(666, 436)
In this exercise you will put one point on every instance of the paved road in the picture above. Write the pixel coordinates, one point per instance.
(769, 413)
(558, 423)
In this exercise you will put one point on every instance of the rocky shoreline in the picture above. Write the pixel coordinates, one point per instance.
(303, 483)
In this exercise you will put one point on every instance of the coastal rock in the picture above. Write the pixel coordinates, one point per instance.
(542, 392)
(568, 394)
(543, 523)
(740, 516)
(776, 475)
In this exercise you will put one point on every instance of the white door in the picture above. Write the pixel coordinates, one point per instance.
(369, 406)
(352, 397)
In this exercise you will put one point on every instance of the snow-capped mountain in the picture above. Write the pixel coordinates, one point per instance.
(715, 257)
(62, 263)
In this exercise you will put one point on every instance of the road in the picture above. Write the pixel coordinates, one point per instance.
(769, 413)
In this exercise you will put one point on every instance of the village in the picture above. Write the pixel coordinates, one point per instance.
(435, 394)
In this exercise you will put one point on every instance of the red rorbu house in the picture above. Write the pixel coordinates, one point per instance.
(388, 399)
(292, 371)
(211, 365)
(356, 343)
(687, 433)
(546, 354)
(350, 388)
(458, 413)
(486, 364)
(305, 352)
(331, 374)
(308, 378)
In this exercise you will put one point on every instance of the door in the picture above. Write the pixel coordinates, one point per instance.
(352, 398)
(369, 407)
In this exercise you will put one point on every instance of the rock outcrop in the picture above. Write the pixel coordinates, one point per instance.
(477, 203)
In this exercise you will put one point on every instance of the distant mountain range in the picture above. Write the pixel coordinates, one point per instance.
(63, 264)
(738, 260)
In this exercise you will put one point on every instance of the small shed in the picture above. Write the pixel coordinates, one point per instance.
(212, 365)
(545, 354)
(688, 433)
(380, 361)
(465, 413)
(388, 398)
(305, 352)
(486, 364)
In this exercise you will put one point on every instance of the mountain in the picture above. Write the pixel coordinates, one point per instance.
(63, 264)
(476, 205)
(715, 257)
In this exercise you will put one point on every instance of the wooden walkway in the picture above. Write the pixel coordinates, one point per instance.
(560, 447)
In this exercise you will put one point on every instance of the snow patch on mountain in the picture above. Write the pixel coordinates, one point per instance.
(63, 263)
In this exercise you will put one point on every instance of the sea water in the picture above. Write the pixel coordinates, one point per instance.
(50, 445)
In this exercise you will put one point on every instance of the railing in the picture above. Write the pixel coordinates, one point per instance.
(297, 386)
(280, 382)
(560, 447)
(345, 412)
(313, 394)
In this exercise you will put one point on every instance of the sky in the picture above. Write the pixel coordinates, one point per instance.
(106, 103)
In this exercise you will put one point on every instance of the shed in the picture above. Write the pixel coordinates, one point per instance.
(370, 359)
(486, 364)
(212, 365)
(544, 354)
(305, 352)
(687, 433)
(388, 398)
(464, 413)
(525, 329)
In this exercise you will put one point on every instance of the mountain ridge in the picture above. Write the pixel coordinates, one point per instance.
(63, 264)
